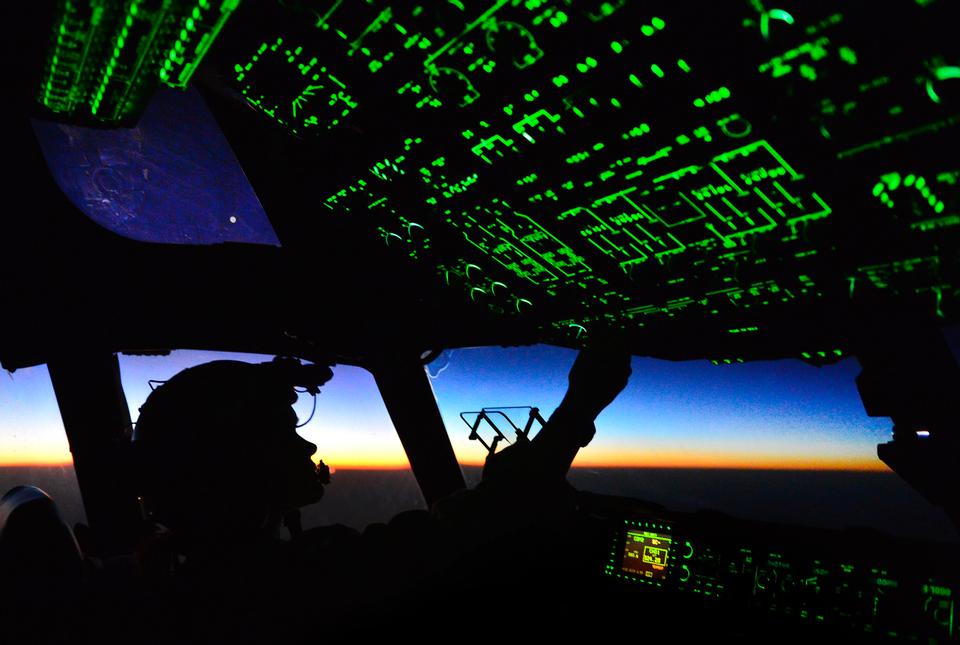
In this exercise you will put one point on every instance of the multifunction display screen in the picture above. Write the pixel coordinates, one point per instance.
(645, 554)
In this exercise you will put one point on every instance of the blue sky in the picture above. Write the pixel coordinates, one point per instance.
(764, 414)
(682, 413)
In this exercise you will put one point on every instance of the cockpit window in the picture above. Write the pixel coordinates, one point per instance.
(171, 179)
(371, 477)
(774, 441)
(33, 445)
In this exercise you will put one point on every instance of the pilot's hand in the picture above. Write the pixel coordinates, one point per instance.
(598, 375)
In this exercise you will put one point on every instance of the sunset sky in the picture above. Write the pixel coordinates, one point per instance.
(781, 414)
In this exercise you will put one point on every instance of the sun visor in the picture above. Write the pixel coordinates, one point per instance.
(172, 179)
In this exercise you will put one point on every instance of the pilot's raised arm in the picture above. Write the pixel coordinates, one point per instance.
(596, 378)
(526, 482)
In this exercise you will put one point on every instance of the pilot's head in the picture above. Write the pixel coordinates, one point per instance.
(218, 450)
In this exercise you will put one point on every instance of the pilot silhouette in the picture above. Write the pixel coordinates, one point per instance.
(219, 453)
(222, 463)
(220, 456)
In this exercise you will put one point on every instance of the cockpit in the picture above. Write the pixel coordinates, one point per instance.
(452, 198)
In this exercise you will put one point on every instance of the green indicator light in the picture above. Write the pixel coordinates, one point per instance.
(773, 14)
(780, 14)
(848, 56)
(941, 74)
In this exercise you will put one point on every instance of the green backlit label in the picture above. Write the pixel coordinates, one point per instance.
(937, 590)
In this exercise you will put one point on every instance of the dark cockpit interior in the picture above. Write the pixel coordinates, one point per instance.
(371, 182)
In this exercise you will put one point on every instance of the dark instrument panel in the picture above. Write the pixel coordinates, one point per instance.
(856, 582)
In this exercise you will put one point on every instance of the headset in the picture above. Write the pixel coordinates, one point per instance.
(284, 371)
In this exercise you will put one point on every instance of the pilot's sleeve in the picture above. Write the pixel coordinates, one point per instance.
(546, 459)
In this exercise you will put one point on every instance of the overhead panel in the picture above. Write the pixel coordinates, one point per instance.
(761, 174)
(106, 58)
(622, 165)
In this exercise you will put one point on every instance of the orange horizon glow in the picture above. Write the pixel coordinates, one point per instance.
(823, 465)
(726, 461)
(598, 457)
(647, 459)
(772, 463)
(35, 456)
(24, 462)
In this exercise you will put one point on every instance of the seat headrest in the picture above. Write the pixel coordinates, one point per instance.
(35, 542)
